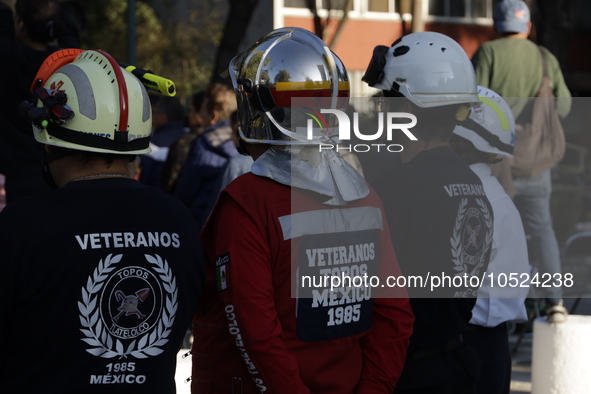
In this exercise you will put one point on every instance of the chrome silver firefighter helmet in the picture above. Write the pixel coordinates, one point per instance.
(284, 64)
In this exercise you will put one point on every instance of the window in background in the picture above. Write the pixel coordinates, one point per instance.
(295, 3)
(379, 6)
(336, 5)
(461, 8)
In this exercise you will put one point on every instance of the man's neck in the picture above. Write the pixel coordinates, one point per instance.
(69, 169)
(521, 36)
(36, 45)
(23, 37)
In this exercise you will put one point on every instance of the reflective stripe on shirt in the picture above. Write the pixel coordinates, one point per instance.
(328, 221)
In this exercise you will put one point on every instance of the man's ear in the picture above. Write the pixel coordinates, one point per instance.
(215, 117)
(48, 148)
(529, 27)
(20, 30)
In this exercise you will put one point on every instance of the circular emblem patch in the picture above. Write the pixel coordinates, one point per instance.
(472, 237)
(128, 310)
(133, 302)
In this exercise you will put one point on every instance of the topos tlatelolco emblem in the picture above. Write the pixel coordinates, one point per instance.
(128, 310)
(131, 301)
(472, 237)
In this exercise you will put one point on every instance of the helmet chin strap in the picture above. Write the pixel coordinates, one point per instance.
(48, 157)
(242, 148)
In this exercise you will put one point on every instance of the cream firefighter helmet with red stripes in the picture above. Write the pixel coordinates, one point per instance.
(110, 106)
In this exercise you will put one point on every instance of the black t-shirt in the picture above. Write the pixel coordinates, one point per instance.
(99, 282)
(441, 225)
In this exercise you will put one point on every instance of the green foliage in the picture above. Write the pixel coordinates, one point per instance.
(181, 48)
(107, 30)
(282, 76)
(249, 70)
(191, 55)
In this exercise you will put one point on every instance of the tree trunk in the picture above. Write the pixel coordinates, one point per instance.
(337, 33)
(236, 24)
(318, 28)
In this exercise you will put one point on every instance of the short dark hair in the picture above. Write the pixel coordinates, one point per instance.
(171, 106)
(87, 156)
(433, 123)
(197, 99)
(467, 151)
(41, 19)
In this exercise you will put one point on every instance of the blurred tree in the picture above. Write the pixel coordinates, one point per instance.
(338, 14)
(107, 30)
(282, 76)
(195, 42)
(235, 27)
(250, 69)
(177, 45)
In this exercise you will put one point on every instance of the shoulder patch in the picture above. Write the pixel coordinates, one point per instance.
(222, 271)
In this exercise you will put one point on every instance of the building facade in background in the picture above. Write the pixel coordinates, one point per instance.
(381, 22)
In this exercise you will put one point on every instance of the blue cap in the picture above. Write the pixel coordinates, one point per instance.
(511, 16)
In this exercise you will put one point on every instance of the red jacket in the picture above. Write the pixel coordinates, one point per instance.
(250, 331)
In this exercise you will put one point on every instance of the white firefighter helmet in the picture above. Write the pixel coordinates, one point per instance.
(96, 106)
(429, 69)
(284, 64)
(490, 126)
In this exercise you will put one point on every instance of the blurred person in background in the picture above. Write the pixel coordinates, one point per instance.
(2, 193)
(514, 67)
(198, 183)
(179, 150)
(167, 126)
(29, 31)
(239, 164)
